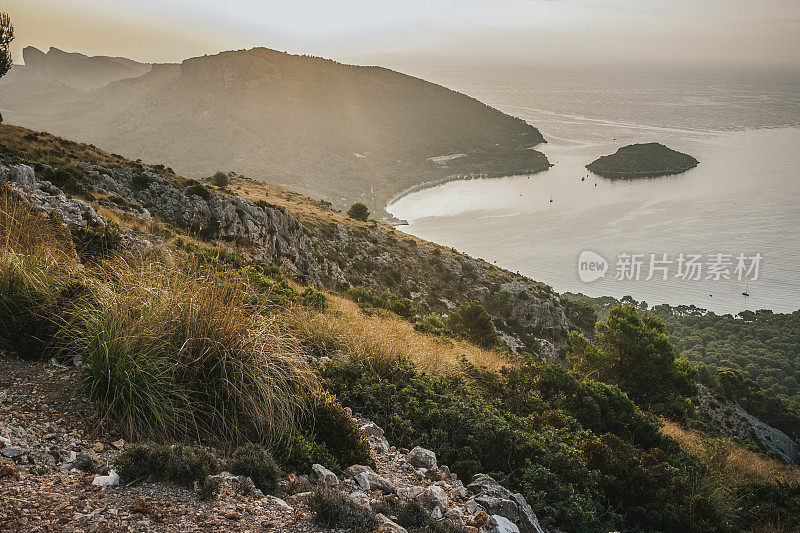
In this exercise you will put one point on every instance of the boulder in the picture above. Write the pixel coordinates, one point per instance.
(12, 452)
(110, 480)
(485, 485)
(432, 497)
(528, 523)
(499, 524)
(369, 480)
(322, 476)
(421, 458)
(499, 506)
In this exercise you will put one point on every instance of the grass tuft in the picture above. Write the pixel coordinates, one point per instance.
(176, 352)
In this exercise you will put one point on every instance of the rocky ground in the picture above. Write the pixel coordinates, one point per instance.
(48, 432)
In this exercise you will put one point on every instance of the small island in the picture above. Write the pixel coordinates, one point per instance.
(642, 161)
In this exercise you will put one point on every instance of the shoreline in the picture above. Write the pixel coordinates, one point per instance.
(456, 177)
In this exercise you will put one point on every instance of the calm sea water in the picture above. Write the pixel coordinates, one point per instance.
(743, 127)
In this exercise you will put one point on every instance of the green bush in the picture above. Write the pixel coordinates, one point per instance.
(257, 463)
(180, 464)
(432, 325)
(339, 432)
(140, 181)
(524, 431)
(367, 299)
(474, 323)
(313, 298)
(773, 507)
(198, 189)
(358, 211)
(220, 179)
(298, 452)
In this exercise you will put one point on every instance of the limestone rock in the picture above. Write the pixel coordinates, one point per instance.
(421, 458)
(499, 524)
(322, 476)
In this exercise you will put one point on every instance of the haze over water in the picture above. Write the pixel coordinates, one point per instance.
(743, 127)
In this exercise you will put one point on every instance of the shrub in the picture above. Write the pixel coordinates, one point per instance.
(522, 441)
(471, 434)
(197, 189)
(367, 299)
(298, 452)
(140, 181)
(773, 507)
(474, 323)
(97, 241)
(257, 463)
(339, 432)
(432, 325)
(358, 211)
(180, 464)
(332, 509)
(313, 298)
(220, 179)
(208, 487)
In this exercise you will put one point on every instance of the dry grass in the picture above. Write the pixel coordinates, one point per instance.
(729, 462)
(46, 148)
(383, 339)
(24, 231)
(177, 352)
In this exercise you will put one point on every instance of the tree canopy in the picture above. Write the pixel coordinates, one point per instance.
(6, 36)
(358, 211)
(634, 352)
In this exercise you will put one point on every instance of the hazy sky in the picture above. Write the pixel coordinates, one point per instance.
(418, 31)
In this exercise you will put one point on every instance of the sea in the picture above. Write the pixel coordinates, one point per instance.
(724, 236)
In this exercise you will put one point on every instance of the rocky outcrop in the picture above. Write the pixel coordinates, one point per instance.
(44, 196)
(733, 421)
(483, 505)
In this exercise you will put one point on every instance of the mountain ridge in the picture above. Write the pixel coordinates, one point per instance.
(340, 132)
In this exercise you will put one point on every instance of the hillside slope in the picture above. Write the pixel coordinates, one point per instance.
(155, 297)
(330, 130)
(303, 235)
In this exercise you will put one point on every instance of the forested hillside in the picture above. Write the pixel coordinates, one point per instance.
(761, 347)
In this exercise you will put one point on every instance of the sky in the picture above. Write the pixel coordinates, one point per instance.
(421, 31)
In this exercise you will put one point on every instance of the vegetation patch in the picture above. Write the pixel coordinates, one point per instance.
(257, 463)
(179, 464)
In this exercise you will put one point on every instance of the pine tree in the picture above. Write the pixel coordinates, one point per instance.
(6, 36)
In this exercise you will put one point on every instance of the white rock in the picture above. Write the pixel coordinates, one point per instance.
(110, 480)
(499, 524)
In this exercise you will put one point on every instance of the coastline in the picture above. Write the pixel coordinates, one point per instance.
(455, 177)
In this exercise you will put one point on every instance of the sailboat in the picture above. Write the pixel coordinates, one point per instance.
(747, 288)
